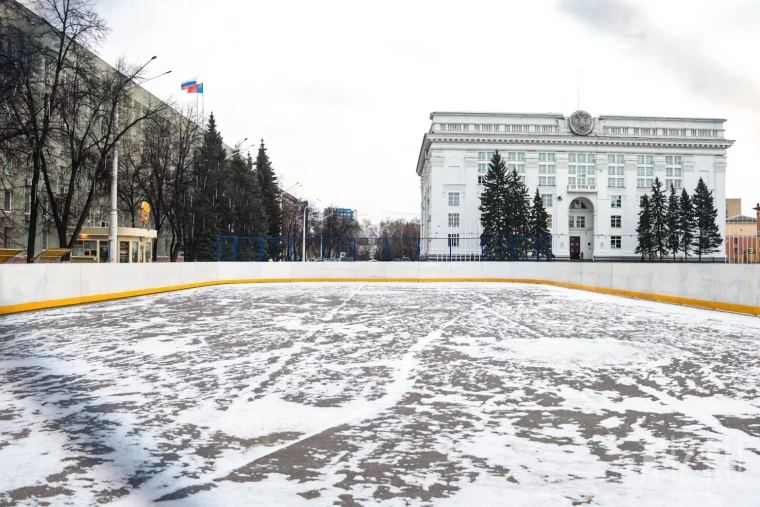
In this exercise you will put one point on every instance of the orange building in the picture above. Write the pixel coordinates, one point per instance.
(743, 236)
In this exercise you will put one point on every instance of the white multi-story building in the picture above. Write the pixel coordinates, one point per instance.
(591, 172)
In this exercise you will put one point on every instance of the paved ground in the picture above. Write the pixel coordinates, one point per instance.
(399, 394)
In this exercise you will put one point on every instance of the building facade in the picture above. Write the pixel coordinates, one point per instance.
(742, 234)
(591, 172)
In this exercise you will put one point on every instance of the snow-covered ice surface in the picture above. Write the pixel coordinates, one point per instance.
(393, 394)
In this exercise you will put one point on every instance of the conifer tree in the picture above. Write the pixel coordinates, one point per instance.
(270, 201)
(657, 216)
(686, 223)
(539, 227)
(645, 245)
(493, 209)
(518, 217)
(673, 223)
(707, 233)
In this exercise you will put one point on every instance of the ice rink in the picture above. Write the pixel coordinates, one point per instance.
(393, 394)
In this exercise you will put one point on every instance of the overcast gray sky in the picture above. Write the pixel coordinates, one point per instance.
(341, 91)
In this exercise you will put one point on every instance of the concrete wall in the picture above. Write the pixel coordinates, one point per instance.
(733, 287)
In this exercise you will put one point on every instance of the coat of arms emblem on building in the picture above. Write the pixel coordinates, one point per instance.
(581, 123)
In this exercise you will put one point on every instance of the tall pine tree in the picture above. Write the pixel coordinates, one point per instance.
(494, 211)
(673, 223)
(518, 217)
(539, 226)
(270, 201)
(686, 223)
(208, 203)
(645, 245)
(708, 236)
(657, 214)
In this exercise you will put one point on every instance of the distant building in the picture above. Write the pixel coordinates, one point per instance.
(591, 172)
(742, 234)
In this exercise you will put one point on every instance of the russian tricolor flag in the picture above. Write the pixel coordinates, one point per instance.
(192, 86)
(187, 84)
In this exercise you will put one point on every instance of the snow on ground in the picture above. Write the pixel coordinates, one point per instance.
(393, 394)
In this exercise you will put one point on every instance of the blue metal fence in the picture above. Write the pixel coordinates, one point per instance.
(261, 249)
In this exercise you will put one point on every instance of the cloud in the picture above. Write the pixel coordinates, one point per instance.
(682, 56)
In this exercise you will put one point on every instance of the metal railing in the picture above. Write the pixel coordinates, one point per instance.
(262, 249)
(742, 249)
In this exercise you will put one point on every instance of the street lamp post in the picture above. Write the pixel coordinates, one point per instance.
(114, 215)
(306, 206)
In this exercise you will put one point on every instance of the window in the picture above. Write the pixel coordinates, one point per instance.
(616, 201)
(571, 221)
(516, 161)
(616, 221)
(516, 128)
(636, 132)
(44, 239)
(641, 201)
(673, 171)
(485, 156)
(576, 222)
(546, 129)
(456, 127)
(482, 168)
(644, 171)
(453, 219)
(646, 132)
(615, 242)
(485, 128)
(613, 130)
(453, 198)
(481, 179)
(547, 199)
(547, 170)
(7, 166)
(453, 239)
(616, 171)
(581, 170)
(548, 221)
(576, 204)
(7, 201)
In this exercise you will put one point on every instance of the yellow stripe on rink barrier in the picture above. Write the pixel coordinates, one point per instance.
(698, 303)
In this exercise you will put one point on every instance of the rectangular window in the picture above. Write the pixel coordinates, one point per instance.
(547, 199)
(453, 198)
(547, 169)
(453, 239)
(7, 166)
(646, 132)
(481, 179)
(636, 132)
(571, 221)
(673, 171)
(516, 162)
(453, 219)
(582, 168)
(616, 221)
(616, 170)
(457, 127)
(7, 201)
(580, 222)
(485, 156)
(44, 239)
(548, 222)
(616, 201)
(644, 171)
(484, 128)
(615, 242)
(482, 167)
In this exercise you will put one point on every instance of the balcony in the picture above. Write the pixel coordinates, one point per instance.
(581, 188)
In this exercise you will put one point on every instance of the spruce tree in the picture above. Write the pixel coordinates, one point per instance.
(539, 227)
(518, 215)
(493, 210)
(708, 236)
(686, 223)
(673, 223)
(645, 245)
(657, 216)
(270, 201)
(209, 220)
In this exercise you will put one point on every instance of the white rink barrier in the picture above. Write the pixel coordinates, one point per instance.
(730, 287)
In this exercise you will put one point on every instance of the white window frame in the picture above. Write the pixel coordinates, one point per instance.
(454, 199)
(516, 161)
(547, 169)
(453, 239)
(616, 170)
(454, 220)
(674, 171)
(616, 242)
(644, 171)
(548, 200)
(616, 201)
(582, 166)
(616, 221)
